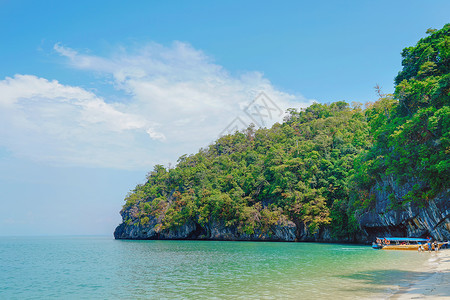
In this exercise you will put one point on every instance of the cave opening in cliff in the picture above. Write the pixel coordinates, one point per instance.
(198, 232)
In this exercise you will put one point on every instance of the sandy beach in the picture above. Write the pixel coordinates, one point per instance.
(434, 286)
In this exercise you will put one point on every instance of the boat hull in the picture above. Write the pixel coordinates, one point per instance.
(401, 247)
(409, 247)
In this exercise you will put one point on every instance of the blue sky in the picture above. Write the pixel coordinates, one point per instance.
(94, 93)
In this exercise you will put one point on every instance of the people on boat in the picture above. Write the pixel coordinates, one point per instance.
(403, 243)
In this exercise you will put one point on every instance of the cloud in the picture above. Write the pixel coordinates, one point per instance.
(178, 101)
(47, 121)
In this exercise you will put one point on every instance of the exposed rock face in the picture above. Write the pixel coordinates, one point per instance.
(411, 220)
(283, 231)
(149, 231)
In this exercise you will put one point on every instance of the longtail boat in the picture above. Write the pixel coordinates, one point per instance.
(397, 243)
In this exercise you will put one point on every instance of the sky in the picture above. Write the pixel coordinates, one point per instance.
(93, 94)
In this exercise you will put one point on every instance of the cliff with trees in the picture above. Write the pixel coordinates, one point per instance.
(330, 172)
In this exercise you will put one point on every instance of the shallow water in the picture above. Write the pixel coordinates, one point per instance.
(103, 268)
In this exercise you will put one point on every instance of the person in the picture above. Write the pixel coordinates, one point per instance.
(429, 245)
(436, 246)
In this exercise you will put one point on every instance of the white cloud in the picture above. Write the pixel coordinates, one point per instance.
(179, 101)
(47, 121)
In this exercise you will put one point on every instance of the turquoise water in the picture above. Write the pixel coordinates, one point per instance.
(103, 268)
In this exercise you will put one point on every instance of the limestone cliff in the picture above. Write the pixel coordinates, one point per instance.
(285, 230)
(413, 219)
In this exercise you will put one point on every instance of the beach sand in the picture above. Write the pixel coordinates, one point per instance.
(434, 286)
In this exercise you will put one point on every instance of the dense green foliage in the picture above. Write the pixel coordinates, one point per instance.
(321, 164)
(411, 130)
(297, 170)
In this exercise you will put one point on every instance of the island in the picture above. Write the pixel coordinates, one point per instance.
(334, 172)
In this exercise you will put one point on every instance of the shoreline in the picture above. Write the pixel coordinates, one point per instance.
(434, 286)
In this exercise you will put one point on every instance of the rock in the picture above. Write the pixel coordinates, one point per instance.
(412, 220)
(283, 231)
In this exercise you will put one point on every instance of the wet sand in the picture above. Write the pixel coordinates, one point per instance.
(434, 286)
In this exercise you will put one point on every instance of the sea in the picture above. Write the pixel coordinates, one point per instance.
(93, 267)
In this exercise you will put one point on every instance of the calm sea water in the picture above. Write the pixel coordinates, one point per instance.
(103, 268)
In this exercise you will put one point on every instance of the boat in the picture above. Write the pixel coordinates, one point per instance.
(398, 243)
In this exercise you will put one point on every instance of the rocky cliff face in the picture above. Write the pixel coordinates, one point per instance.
(211, 231)
(427, 219)
(284, 230)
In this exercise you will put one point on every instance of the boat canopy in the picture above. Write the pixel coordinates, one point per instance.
(398, 239)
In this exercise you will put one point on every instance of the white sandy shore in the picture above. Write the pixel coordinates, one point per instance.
(435, 286)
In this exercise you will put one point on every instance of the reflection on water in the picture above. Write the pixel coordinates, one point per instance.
(104, 268)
